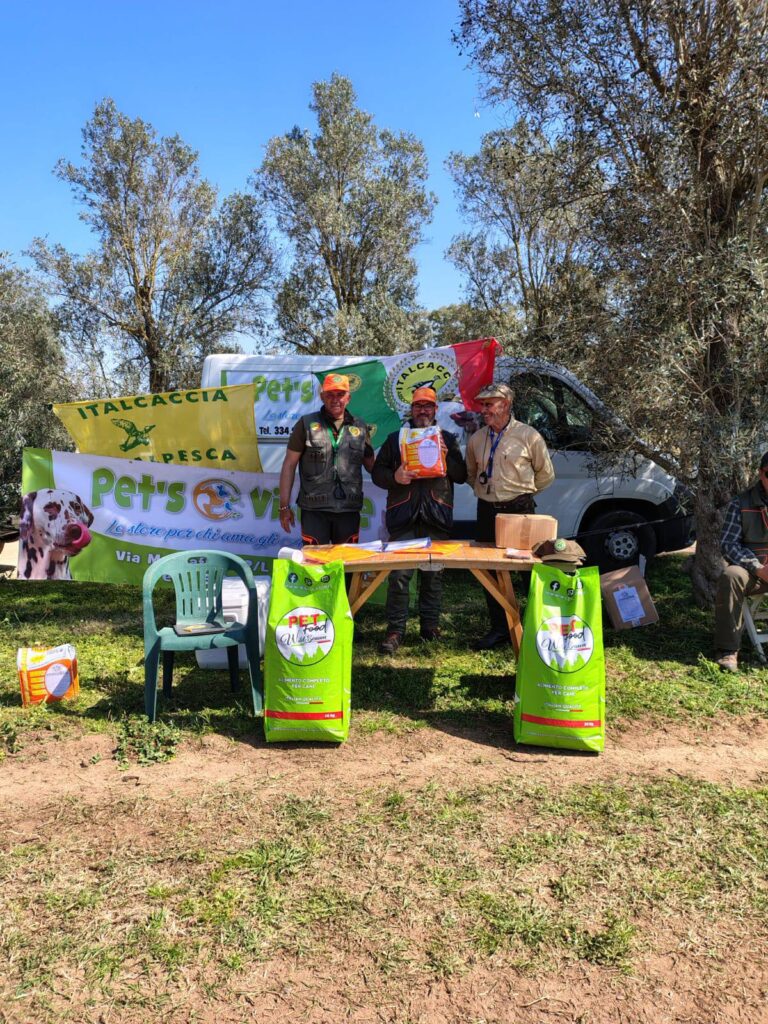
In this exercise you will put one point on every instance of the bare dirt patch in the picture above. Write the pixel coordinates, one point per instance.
(734, 752)
(69, 798)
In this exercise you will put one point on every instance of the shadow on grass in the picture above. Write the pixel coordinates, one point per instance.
(445, 686)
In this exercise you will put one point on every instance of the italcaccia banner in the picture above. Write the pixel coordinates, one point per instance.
(91, 517)
(380, 389)
(202, 427)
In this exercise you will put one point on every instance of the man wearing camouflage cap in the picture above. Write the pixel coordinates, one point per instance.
(507, 464)
(330, 448)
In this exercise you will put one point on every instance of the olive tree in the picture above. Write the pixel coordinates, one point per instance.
(528, 201)
(350, 200)
(33, 373)
(173, 272)
(672, 98)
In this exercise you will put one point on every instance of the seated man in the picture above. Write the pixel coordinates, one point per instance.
(744, 544)
(417, 508)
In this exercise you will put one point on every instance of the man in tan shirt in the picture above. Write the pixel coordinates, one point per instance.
(507, 464)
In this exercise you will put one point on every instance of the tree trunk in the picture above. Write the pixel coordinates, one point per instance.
(709, 502)
(158, 379)
(707, 562)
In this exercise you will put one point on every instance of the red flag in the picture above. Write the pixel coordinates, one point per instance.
(475, 361)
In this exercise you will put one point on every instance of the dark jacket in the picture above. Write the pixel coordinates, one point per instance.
(754, 520)
(431, 499)
(325, 487)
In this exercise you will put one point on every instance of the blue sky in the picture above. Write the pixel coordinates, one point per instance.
(226, 76)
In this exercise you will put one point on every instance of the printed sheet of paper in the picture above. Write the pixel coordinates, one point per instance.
(629, 604)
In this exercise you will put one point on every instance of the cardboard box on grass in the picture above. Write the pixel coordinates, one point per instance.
(524, 531)
(627, 599)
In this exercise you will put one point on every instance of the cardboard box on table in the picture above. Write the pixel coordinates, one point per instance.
(627, 599)
(524, 531)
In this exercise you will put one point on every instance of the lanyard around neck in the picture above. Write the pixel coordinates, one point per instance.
(494, 446)
(335, 440)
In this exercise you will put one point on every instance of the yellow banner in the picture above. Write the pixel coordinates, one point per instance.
(201, 427)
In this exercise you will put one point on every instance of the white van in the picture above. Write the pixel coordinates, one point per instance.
(617, 514)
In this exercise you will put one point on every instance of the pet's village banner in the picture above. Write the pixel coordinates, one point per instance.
(90, 517)
(201, 427)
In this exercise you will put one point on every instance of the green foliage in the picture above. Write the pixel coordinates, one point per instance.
(144, 742)
(450, 325)
(351, 201)
(528, 257)
(172, 274)
(669, 102)
(32, 374)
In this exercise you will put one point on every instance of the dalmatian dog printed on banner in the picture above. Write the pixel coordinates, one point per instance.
(54, 527)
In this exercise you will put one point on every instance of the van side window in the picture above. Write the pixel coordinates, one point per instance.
(562, 417)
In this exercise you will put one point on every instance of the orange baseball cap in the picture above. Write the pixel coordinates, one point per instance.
(335, 382)
(424, 395)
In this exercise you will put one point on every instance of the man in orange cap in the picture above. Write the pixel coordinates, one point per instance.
(417, 508)
(330, 448)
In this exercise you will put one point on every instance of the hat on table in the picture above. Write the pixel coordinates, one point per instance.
(560, 551)
(335, 382)
(424, 395)
(495, 391)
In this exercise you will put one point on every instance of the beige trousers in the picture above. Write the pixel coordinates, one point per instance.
(733, 588)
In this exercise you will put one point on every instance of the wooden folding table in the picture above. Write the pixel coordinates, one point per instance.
(486, 563)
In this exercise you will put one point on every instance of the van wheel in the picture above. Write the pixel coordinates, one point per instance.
(623, 538)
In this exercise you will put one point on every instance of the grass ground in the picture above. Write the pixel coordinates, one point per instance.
(428, 870)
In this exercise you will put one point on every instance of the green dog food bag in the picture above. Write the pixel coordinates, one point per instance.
(308, 654)
(560, 689)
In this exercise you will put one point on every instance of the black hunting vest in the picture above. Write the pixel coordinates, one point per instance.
(754, 521)
(332, 481)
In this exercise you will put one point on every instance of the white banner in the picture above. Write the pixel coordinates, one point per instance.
(90, 517)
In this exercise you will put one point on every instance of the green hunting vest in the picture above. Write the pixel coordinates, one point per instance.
(754, 520)
(325, 487)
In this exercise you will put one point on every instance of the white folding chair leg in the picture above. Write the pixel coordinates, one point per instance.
(755, 620)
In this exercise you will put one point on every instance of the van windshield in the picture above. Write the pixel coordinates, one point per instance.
(561, 416)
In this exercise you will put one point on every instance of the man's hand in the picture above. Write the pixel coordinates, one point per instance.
(404, 476)
(762, 573)
(287, 519)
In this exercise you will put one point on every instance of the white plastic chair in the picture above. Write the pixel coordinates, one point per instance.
(756, 623)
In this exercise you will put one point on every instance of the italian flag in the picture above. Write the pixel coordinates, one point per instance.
(476, 361)
(381, 389)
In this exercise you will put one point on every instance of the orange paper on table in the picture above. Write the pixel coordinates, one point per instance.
(422, 452)
(337, 553)
(444, 547)
(47, 674)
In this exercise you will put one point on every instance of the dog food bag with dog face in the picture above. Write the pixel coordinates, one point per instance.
(560, 687)
(422, 452)
(308, 654)
(47, 674)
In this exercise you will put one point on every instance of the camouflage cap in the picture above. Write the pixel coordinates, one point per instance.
(495, 391)
(560, 551)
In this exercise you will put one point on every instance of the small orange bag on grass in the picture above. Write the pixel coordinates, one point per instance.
(421, 451)
(47, 674)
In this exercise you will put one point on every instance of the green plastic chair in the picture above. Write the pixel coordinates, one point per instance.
(198, 578)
